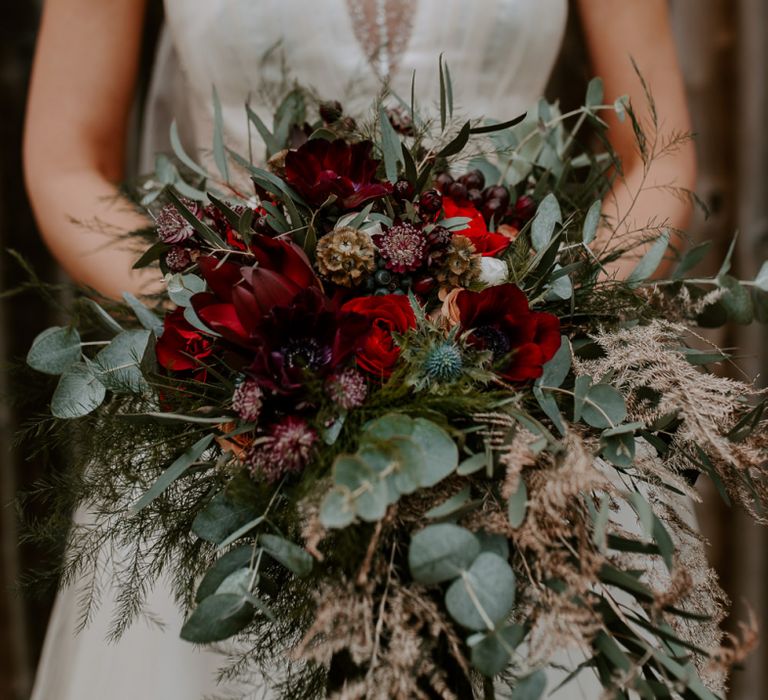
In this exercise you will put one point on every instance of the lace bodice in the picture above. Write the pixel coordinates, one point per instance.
(500, 54)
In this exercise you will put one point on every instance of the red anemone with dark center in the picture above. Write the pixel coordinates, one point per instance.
(309, 337)
(486, 242)
(498, 319)
(321, 168)
(241, 296)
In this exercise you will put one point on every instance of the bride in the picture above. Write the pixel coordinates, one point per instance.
(500, 53)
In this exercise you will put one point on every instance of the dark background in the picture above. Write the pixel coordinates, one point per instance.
(722, 48)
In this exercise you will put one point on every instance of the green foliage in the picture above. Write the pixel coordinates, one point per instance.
(54, 350)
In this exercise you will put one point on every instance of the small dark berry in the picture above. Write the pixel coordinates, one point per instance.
(497, 192)
(476, 197)
(458, 193)
(403, 191)
(474, 180)
(331, 112)
(383, 277)
(381, 291)
(443, 182)
(261, 225)
(430, 202)
(525, 207)
(406, 282)
(493, 209)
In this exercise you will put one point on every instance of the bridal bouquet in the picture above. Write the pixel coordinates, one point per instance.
(394, 432)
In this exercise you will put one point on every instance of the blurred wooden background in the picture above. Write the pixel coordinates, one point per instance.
(723, 46)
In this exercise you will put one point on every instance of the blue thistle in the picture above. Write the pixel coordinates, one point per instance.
(443, 362)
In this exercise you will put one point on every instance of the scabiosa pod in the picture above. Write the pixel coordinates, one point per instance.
(172, 227)
(287, 449)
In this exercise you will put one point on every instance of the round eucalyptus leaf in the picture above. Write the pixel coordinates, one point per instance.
(78, 393)
(225, 565)
(619, 449)
(119, 363)
(531, 687)
(380, 458)
(338, 509)
(409, 458)
(369, 491)
(441, 552)
(491, 654)
(556, 370)
(484, 595)
(604, 407)
(237, 582)
(440, 451)
(218, 617)
(388, 426)
(54, 350)
(737, 300)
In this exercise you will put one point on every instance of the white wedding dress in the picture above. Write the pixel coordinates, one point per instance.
(500, 54)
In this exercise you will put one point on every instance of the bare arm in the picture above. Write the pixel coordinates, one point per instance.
(81, 93)
(617, 32)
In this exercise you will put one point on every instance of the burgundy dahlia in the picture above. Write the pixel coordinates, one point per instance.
(287, 450)
(172, 227)
(498, 319)
(321, 168)
(403, 247)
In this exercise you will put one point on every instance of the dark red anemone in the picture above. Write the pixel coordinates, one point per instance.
(241, 296)
(308, 336)
(499, 319)
(321, 168)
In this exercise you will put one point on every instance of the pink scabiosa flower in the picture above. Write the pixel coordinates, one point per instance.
(403, 247)
(348, 388)
(247, 400)
(287, 449)
(178, 258)
(172, 227)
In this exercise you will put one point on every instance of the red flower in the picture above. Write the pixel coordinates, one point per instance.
(241, 296)
(181, 347)
(498, 319)
(388, 314)
(486, 242)
(321, 168)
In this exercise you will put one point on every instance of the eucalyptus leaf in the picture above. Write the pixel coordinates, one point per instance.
(451, 505)
(390, 145)
(518, 502)
(549, 406)
(147, 318)
(491, 653)
(289, 554)
(736, 300)
(761, 280)
(119, 363)
(591, 222)
(604, 407)
(441, 456)
(78, 392)
(473, 464)
(217, 617)
(581, 386)
(54, 350)
(650, 261)
(595, 93)
(181, 288)
(221, 517)
(547, 216)
(103, 317)
(530, 687)
(370, 491)
(337, 509)
(691, 259)
(556, 370)
(219, 152)
(225, 565)
(484, 594)
(441, 552)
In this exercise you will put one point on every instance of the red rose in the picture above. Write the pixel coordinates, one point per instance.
(377, 351)
(486, 242)
(498, 319)
(181, 346)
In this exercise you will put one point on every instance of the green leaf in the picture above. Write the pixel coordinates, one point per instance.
(650, 261)
(484, 595)
(54, 350)
(218, 617)
(388, 426)
(451, 505)
(441, 552)
(443, 100)
(182, 155)
(204, 231)
(224, 566)
(219, 153)
(761, 280)
(119, 363)
(78, 392)
(473, 464)
(556, 370)
(173, 472)
(618, 449)
(289, 554)
(491, 654)
(151, 255)
(691, 258)
(591, 222)
(736, 300)
(220, 518)
(457, 143)
(359, 477)
(441, 456)
(266, 135)
(549, 406)
(338, 508)
(390, 146)
(604, 407)
(726, 266)
(292, 110)
(181, 288)
(547, 216)
(106, 320)
(518, 502)
(498, 126)
(530, 687)
(581, 386)
(147, 318)
(595, 93)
